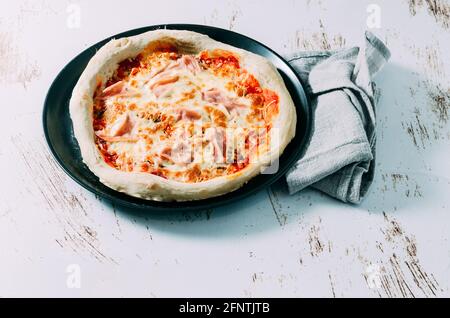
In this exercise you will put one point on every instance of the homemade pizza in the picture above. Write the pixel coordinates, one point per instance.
(174, 115)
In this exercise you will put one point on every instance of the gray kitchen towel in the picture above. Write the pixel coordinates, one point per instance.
(339, 157)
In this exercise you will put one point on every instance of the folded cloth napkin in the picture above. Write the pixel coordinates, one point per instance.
(339, 157)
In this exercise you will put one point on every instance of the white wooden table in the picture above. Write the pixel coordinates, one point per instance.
(57, 239)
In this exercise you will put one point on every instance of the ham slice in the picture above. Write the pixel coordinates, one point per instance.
(159, 84)
(163, 79)
(213, 95)
(166, 74)
(159, 70)
(121, 126)
(181, 153)
(216, 96)
(161, 90)
(191, 64)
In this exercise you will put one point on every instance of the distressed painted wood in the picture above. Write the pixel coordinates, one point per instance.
(395, 244)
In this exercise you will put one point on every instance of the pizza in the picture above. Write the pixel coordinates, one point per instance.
(174, 115)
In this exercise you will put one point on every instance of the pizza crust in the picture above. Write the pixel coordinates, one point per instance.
(149, 186)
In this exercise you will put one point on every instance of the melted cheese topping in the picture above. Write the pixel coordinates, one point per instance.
(182, 117)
